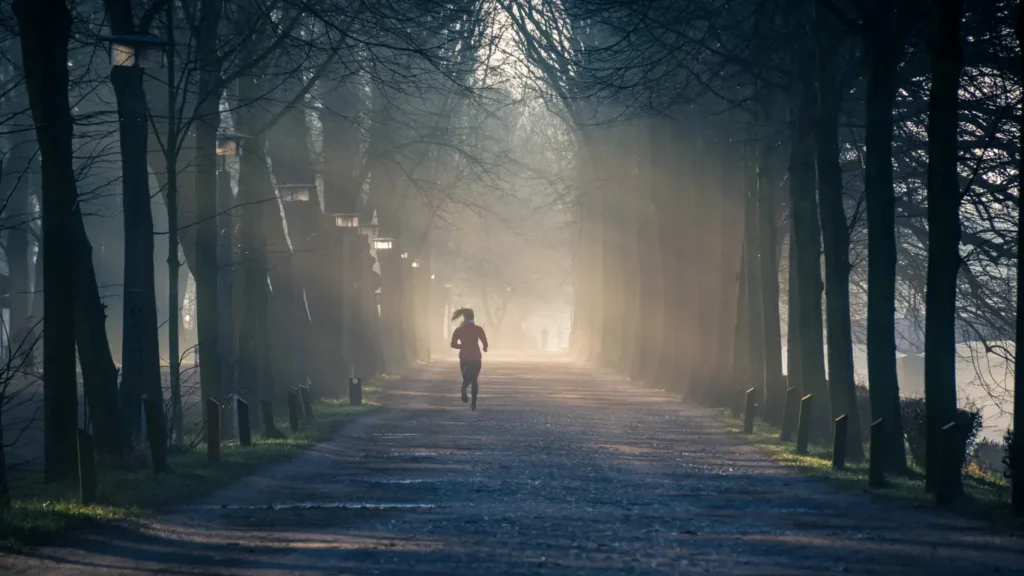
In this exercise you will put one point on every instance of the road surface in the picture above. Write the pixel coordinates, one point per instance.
(561, 470)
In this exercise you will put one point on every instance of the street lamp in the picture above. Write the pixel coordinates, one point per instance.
(415, 263)
(295, 192)
(136, 50)
(229, 145)
(383, 244)
(404, 255)
(129, 56)
(346, 220)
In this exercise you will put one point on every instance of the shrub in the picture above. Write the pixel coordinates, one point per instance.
(989, 455)
(912, 412)
(915, 417)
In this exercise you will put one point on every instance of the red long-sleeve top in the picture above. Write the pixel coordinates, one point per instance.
(467, 339)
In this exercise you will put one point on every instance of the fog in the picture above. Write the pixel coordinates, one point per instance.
(675, 213)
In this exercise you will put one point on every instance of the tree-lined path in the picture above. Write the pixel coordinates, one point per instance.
(562, 470)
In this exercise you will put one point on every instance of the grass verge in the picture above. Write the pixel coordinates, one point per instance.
(986, 496)
(39, 512)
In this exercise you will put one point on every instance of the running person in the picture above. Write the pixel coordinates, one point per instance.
(467, 339)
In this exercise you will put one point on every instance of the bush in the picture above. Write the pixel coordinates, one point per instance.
(989, 455)
(915, 417)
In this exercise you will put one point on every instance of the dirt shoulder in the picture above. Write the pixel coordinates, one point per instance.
(44, 513)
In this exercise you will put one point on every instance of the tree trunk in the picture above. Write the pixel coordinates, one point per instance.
(649, 347)
(340, 162)
(611, 248)
(943, 246)
(226, 288)
(836, 239)
(807, 240)
(752, 269)
(663, 254)
(292, 163)
(679, 230)
(741, 357)
(630, 271)
(140, 360)
(794, 368)
(775, 387)
(883, 59)
(806, 245)
(592, 208)
(99, 373)
(174, 290)
(725, 258)
(703, 248)
(45, 28)
(205, 166)
(1017, 447)
(255, 378)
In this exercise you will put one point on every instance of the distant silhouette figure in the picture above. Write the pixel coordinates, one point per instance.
(544, 338)
(467, 339)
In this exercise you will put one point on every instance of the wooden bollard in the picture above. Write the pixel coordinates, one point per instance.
(269, 428)
(244, 431)
(86, 468)
(749, 411)
(355, 391)
(789, 414)
(876, 464)
(949, 465)
(307, 402)
(212, 430)
(157, 434)
(839, 443)
(803, 431)
(293, 409)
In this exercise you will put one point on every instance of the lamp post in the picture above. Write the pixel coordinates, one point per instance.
(390, 302)
(295, 197)
(140, 350)
(228, 146)
(350, 245)
(136, 51)
(447, 326)
(416, 294)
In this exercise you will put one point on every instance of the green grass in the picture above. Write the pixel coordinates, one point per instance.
(41, 512)
(986, 496)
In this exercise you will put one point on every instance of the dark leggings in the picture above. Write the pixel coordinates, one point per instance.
(470, 374)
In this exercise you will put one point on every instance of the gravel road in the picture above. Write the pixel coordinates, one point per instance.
(561, 470)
